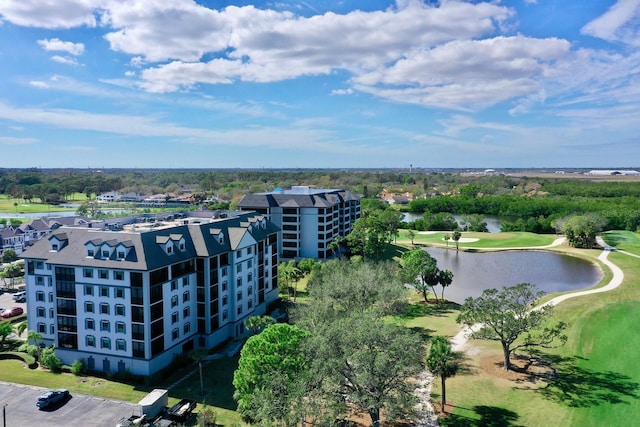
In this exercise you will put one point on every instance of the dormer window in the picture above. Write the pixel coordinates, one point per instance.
(91, 252)
(121, 254)
(169, 242)
(57, 242)
(105, 254)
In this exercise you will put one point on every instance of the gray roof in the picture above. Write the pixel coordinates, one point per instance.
(145, 245)
(313, 198)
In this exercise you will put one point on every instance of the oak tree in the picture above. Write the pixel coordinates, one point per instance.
(511, 317)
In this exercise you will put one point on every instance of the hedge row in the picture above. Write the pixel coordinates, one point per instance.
(30, 361)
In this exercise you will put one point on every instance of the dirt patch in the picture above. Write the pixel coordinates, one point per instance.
(449, 408)
(526, 369)
(97, 383)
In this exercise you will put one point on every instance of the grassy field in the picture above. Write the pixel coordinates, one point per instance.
(480, 240)
(9, 205)
(623, 240)
(593, 380)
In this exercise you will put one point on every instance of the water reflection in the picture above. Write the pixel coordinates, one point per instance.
(549, 271)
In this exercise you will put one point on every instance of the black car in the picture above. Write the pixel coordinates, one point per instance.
(52, 397)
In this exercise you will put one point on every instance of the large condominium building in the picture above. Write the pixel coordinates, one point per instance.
(132, 296)
(309, 218)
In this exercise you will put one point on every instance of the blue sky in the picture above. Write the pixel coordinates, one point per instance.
(319, 83)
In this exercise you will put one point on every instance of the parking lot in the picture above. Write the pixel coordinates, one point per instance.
(20, 409)
(6, 301)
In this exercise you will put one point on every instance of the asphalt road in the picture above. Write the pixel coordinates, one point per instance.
(19, 402)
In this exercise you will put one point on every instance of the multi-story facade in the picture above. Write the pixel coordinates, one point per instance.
(309, 218)
(135, 298)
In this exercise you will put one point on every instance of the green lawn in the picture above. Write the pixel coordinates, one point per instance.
(217, 379)
(484, 240)
(597, 379)
(623, 240)
(10, 205)
(15, 372)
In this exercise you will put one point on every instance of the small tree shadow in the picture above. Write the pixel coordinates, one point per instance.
(579, 387)
(490, 416)
(422, 309)
(424, 333)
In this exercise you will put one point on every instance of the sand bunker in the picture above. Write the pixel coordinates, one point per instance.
(467, 239)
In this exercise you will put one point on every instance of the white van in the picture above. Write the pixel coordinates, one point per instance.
(20, 296)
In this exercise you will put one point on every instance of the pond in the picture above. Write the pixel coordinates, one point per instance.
(549, 271)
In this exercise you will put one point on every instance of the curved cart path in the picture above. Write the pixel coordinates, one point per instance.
(458, 342)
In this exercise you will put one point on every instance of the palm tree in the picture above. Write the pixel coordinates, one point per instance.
(335, 246)
(257, 323)
(199, 355)
(6, 328)
(411, 235)
(456, 238)
(37, 340)
(296, 275)
(21, 328)
(445, 278)
(442, 361)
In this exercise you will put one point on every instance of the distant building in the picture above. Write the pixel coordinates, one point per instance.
(310, 218)
(131, 295)
(114, 196)
(393, 198)
(613, 172)
(26, 234)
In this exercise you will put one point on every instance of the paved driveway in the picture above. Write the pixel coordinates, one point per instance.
(78, 411)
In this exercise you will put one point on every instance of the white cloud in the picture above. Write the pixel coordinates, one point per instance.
(620, 23)
(443, 54)
(64, 60)
(62, 46)
(137, 61)
(263, 45)
(39, 84)
(8, 140)
(316, 139)
(468, 74)
(342, 92)
(50, 14)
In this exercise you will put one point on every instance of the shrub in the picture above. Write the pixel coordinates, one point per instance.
(30, 349)
(78, 367)
(124, 376)
(206, 416)
(49, 359)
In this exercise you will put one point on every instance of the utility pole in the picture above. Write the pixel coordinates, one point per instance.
(4, 415)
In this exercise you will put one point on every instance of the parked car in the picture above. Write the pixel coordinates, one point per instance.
(20, 296)
(11, 312)
(52, 397)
